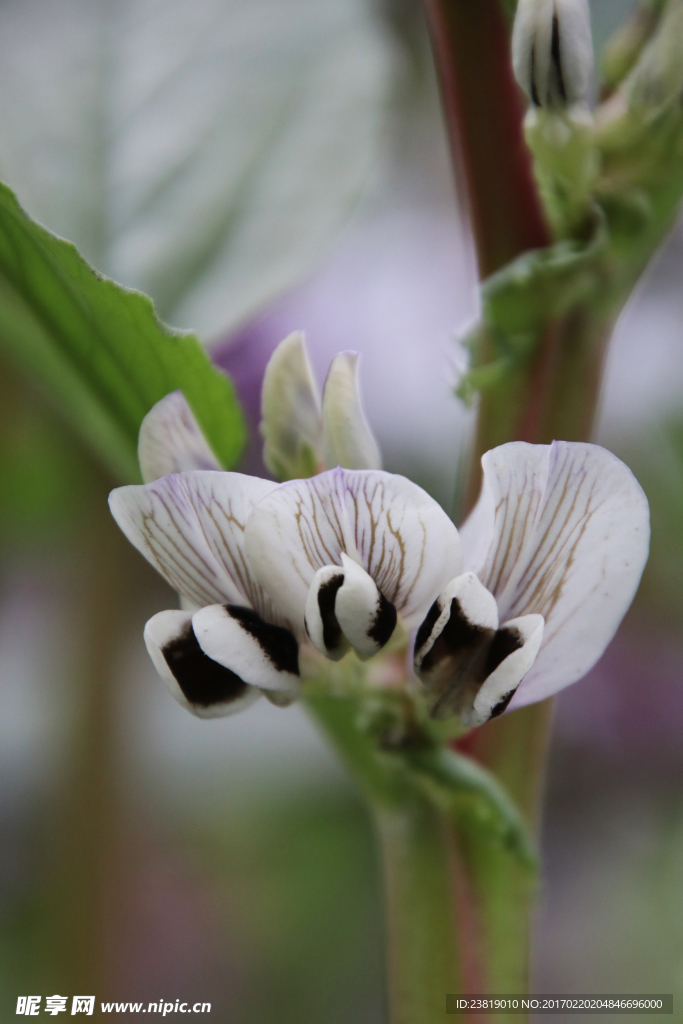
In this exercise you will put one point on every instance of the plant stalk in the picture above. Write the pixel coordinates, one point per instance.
(418, 857)
(555, 395)
(483, 113)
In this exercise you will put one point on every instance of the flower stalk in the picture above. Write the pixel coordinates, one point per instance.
(418, 859)
(444, 926)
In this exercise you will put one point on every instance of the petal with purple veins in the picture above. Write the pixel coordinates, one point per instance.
(388, 525)
(560, 531)
(171, 441)
(190, 527)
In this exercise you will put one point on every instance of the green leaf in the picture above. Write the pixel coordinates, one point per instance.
(100, 349)
(203, 152)
(524, 298)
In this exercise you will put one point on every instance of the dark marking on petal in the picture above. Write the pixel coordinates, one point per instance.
(276, 642)
(452, 671)
(384, 622)
(459, 637)
(555, 53)
(425, 630)
(203, 681)
(534, 91)
(327, 595)
(504, 643)
(502, 704)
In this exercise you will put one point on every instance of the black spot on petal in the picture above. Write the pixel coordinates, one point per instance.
(556, 56)
(535, 99)
(276, 642)
(502, 704)
(384, 623)
(452, 671)
(425, 630)
(203, 681)
(459, 638)
(504, 643)
(327, 595)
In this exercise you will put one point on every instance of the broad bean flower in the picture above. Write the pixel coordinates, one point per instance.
(517, 605)
(552, 51)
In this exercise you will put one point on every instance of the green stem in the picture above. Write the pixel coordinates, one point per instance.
(418, 860)
(552, 397)
(501, 892)
(418, 856)
(456, 901)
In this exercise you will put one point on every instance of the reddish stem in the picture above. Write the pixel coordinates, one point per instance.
(484, 117)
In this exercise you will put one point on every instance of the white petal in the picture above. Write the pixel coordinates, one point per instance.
(170, 440)
(199, 684)
(452, 644)
(531, 41)
(576, 45)
(263, 655)
(366, 618)
(291, 422)
(499, 687)
(190, 526)
(552, 51)
(348, 440)
(224, 502)
(476, 605)
(387, 524)
(567, 532)
(501, 524)
(321, 622)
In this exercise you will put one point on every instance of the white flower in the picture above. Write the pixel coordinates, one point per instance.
(553, 553)
(554, 549)
(228, 644)
(552, 51)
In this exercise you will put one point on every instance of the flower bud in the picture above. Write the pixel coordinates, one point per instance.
(552, 51)
(291, 422)
(304, 435)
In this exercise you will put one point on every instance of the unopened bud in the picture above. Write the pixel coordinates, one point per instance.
(552, 51)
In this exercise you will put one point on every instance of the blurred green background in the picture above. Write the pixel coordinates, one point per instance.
(259, 167)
